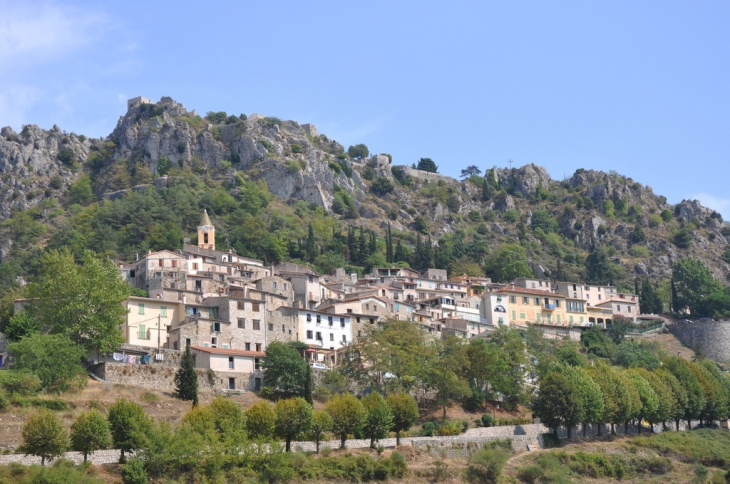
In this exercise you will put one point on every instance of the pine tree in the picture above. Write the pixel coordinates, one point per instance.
(186, 380)
(400, 253)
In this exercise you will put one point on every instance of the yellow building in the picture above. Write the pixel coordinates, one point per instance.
(149, 318)
(535, 306)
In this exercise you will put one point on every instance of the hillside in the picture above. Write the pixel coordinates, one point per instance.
(264, 181)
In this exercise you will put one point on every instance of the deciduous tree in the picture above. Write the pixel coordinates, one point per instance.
(405, 412)
(129, 425)
(44, 435)
(260, 420)
(90, 432)
(293, 417)
(379, 417)
(348, 415)
(285, 371)
(53, 358)
(321, 426)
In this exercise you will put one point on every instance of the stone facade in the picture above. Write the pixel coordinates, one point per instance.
(712, 338)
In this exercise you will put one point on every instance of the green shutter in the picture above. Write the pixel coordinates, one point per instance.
(163, 311)
(141, 308)
(142, 332)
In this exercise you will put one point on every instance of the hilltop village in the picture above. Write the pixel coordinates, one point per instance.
(228, 308)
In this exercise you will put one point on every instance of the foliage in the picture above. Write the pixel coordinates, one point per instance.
(427, 164)
(693, 282)
(358, 151)
(469, 171)
(293, 417)
(599, 269)
(695, 394)
(405, 412)
(52, 358)
(285, 371)
(631, 354)
(20, 326)
(19, 382)
(682, 238)
(186, 379)
(379, 417)
(558, 402)
(348, 415)
(90, 432)
(260, 420)
(321, 426)
(382, 186)
(133, 472)
(44, 436)
(508, 262)
(486, 466)
(83, 301)
(129, 426)
(66, 156)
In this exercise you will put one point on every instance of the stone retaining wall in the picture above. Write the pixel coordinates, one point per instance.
(712, 338)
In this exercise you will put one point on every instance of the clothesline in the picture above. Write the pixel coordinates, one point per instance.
(131, 359)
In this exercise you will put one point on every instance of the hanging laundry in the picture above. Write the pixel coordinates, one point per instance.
(130, 359)
(118, 357)
(146, 359)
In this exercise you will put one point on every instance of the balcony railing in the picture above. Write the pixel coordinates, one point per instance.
(549, 307)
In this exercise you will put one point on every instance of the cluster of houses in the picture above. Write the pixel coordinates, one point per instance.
(228, 308)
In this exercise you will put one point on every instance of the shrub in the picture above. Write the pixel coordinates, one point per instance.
(56, 182)
(322, 394)
(427, 429)
(295, 148)
(487, 420)
(530, 475)
(602, 230)
(381, 186)
(216, 117)
(368, 173)
(640, 251)
(358, 151)
(334, 167)
(486, 466)
(511, 215)
(133, 472)
(66, 156)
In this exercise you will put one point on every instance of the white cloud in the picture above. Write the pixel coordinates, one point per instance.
(33, 34)
(718, 204)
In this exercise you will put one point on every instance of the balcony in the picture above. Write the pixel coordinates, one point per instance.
(549, 307)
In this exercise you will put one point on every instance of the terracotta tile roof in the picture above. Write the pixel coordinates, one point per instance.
(222, 351)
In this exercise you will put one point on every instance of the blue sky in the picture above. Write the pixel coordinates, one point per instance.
(636, 87)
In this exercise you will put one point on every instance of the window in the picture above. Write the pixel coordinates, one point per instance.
(513, 299)
(570, 317)
(559, 321)
(538, 317)
(358, 333)
(174, 263)
(142, 332)
(247, 346)
(257, 366)
(344, 338)
(618, 308)
(188, 342)
(522, 316)
(332, 336)
(195, 266)
(231, 381)
(310, 334)
(537, 301)
(271, 326)
(525, 300)
(141, 308)
(242, 323)
(349, 310)
(163, 311)
(330, 320)
(319, 336)
(367, 307)
(162, 262)
(629, 308)
(241, 305)
(311, 279)
(285, 286)
(557, 303)
(258, 346)
(599, 297)
(309, 317)
(256, 325)
(214, 342)
(230, 363)
(319, 318)
(274, 285)
(514, 314)
(342, 322)
(255, 307)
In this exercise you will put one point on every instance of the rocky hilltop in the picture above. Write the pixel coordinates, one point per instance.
(154, 145)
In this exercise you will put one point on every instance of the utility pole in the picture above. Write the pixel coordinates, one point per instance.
(159, 316)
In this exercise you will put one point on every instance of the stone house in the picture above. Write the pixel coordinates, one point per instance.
(240, 369)
(495, 308)
(320, 331)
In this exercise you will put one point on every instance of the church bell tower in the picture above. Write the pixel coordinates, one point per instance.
(206, 233)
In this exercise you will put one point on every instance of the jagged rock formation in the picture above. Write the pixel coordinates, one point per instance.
(299, 163)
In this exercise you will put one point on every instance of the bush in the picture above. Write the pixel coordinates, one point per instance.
(56, 182)
(295, 148)
(322, 394)
(427, 429)
(511, 215)
(448, 428)
(381, 186)
(487, 420)
(486, 466)
(530, 475)
(66, 156)
(4, 402)
(133, 472)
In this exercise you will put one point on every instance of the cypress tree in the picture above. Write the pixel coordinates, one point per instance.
(186, 380)
(309, 385)
(373, 242)
(362, 248)
(311, 245)
(389, 245)
(675, 303)
(352, 245)
(400, 253)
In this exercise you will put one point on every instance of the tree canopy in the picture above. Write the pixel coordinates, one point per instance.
(285, 371)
